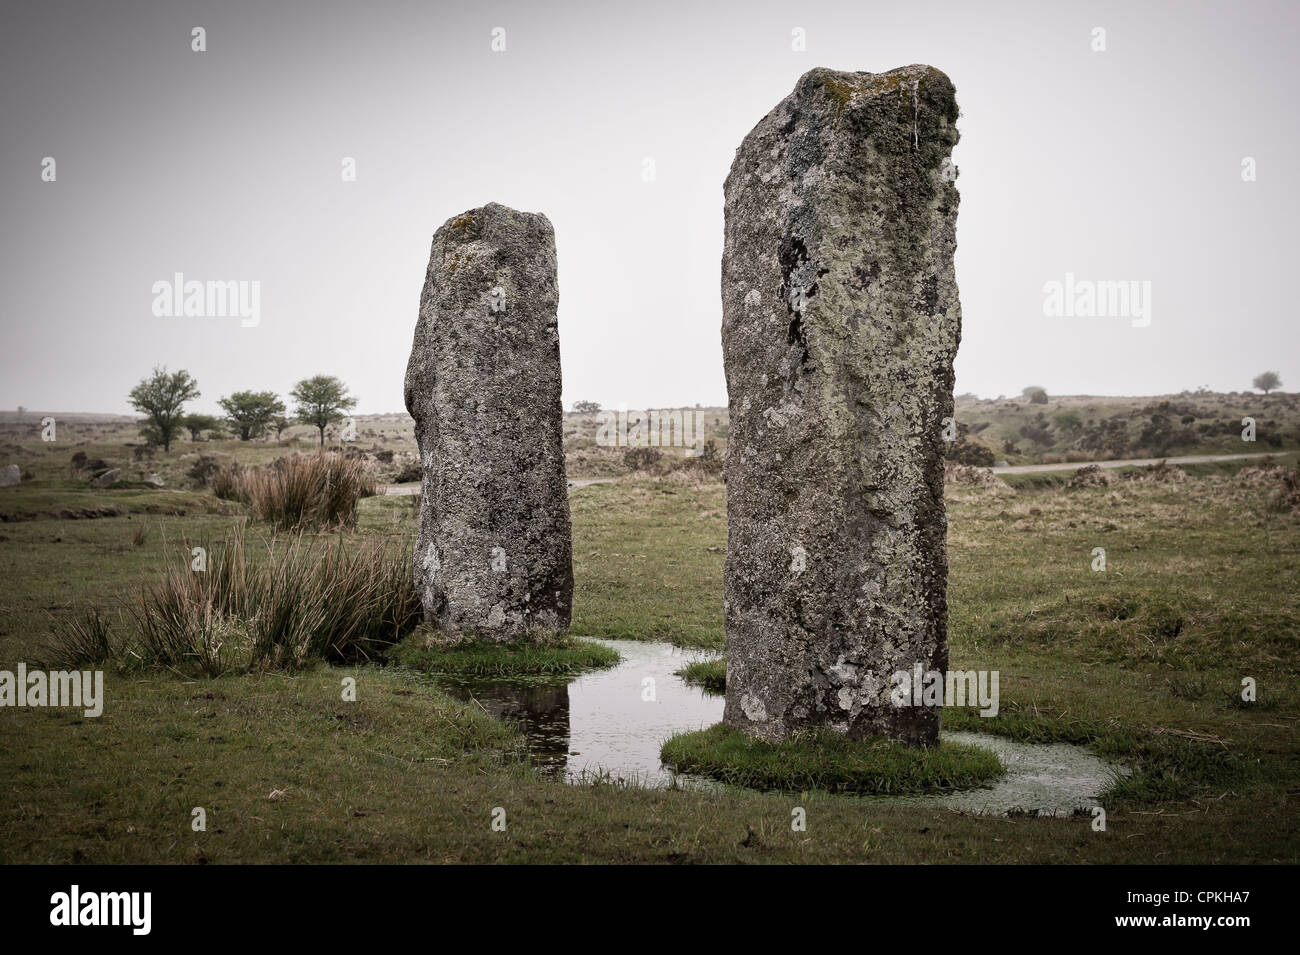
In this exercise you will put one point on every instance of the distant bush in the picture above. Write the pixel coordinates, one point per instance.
(1090, 476)
(206, 467)
(228, 484)
(298, 490)
(1067, 421)
(1038, 434)
(1267, 381)
(964, 450)
(1160, 435)
(408, 473)
(307, 490)
(641, 459)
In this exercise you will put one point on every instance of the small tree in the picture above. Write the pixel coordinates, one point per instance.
(586, 407)
(161, 398)
(196, 424)
(964, 450)
(280, 424)
(320, 401)
(250, 413)
(1035, 394)
(1267, 382)
(1067, 421)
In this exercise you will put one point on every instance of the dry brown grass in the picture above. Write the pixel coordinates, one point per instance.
(302, 490)
(298, 600)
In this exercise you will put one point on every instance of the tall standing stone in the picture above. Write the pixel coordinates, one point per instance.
(840, 324)
(494, 554)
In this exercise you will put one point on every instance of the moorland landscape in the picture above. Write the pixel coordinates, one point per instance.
(226, 695)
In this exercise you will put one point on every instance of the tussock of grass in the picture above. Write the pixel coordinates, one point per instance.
(82, 640)
(299, 601)
(300, 490)
(710, 675)
(551, 656)
(829, 761)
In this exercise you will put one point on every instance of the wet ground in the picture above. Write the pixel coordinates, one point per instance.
(611, 723)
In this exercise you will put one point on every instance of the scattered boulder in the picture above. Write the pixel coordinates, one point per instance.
(111, 476)
(1091, 476)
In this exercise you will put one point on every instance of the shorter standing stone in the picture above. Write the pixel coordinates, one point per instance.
(10, 476)
(493, 558)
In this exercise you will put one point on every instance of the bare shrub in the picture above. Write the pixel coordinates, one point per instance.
(308, 490)
(1090, 476)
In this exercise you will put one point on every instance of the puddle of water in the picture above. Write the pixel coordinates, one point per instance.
(604, 721)
(1052, 779)
(608, 722)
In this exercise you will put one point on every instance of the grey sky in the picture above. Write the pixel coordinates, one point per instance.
(225, 165)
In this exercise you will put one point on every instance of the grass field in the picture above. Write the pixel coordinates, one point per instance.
(1142, 662)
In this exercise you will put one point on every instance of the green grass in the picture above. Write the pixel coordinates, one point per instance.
(1142, 663)
(830, 762)
(1165, 766)
(551, 657)
(63, 500)
(711, 675)
(647, 561)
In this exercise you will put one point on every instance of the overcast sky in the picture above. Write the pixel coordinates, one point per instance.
(226, 165)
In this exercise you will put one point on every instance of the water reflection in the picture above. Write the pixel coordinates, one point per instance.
(540, 709)
(613, 722)
(610, 721)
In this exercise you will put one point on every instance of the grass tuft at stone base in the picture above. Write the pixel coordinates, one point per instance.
(553, 656)
(708, 675)
(829, 761)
